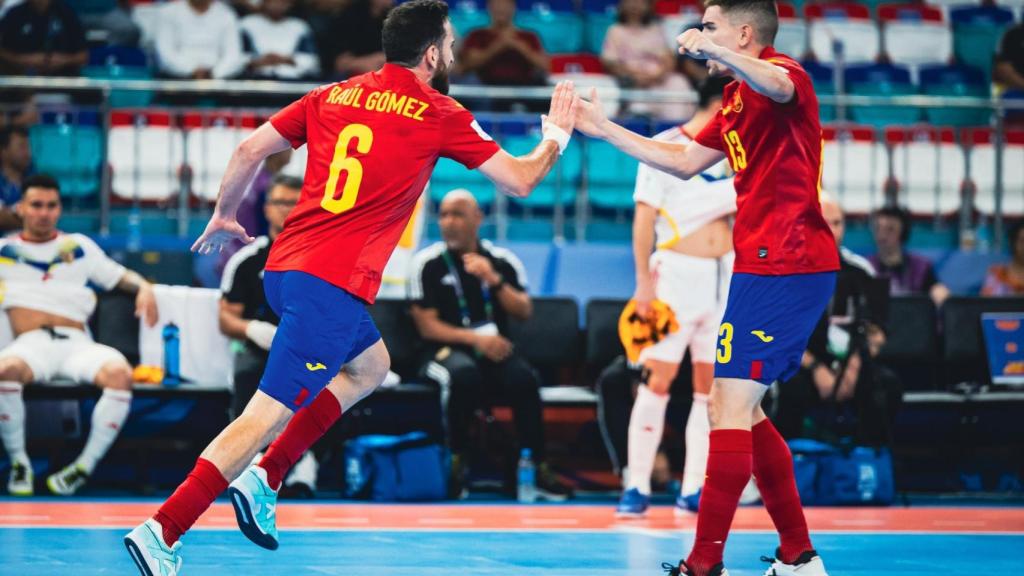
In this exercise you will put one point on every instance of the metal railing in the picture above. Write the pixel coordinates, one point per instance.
(256, 88)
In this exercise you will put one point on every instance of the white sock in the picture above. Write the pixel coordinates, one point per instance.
(646, 423)
(698, 438)
(107, 419)
(12, 421)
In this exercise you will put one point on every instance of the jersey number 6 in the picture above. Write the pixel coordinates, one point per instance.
(363, 136)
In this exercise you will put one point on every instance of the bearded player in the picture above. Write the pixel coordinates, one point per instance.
(373, 141)
(784, 271)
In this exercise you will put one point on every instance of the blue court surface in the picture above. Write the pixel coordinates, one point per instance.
(29, 547)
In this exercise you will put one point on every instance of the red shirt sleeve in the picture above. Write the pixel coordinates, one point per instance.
(802, 84)
(290, 121)
(711, 135)
(465, 141)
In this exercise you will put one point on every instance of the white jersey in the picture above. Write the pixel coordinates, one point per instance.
(55, 276)
(684, 206)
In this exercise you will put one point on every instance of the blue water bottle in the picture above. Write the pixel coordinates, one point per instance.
(172, 355)
(526, 485)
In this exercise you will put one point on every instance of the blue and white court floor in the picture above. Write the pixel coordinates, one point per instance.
(84, 537)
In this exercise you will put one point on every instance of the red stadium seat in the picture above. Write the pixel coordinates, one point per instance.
(576, 64)
(929, 167)
(855, 167)
(982, 155)
(848, 24)
(915, 35)
(144, 151)
(212, 137)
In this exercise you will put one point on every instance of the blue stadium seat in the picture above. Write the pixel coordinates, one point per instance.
(561, 184)
(964, 272)
(449, 174)
(93, 6)
(881, 80)
(595, 28)
(824, 83)
(465, 18)
(600, 6)
(611, 176)
(586, 271)
(955, 81)
(559, 32)
(123, 98)
(153, 222)
(977, 31)
(536, 257)
(117, 56)
(546, 5)
(71, 149)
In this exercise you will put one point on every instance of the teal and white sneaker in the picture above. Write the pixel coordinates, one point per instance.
(255, 504)
(152, 556)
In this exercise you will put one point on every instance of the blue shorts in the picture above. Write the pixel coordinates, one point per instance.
(768, 321)
(322, 328)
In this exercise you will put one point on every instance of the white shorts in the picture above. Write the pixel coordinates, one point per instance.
(696, 290)
(64, 353)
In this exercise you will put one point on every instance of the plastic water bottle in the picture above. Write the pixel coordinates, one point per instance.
(526, 486)
(172, 355)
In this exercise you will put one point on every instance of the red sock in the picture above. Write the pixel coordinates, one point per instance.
(306, 427)
(202, 486)
(729, 466)
(773, 469)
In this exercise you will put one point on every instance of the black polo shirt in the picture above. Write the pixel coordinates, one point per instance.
(431, 285)
(25, 31)
(242, 283)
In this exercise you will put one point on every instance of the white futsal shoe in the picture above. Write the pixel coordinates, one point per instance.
(152, 556)
(20, 482)
(808, 564)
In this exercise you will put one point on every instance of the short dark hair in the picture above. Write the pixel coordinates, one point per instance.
(411, 28)
(7, 133)
(898, 213)
(288, 181)
(1015, 230)
(763, 16)
(40, 181)
(710, 89)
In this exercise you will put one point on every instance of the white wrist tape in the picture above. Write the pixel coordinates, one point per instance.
(556, 135)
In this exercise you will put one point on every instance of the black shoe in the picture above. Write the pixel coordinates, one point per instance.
(682, 569)
(457, 489)
(549, 487)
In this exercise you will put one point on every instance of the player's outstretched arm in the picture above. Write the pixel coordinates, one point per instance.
(762, 76)
(223, 226)
(681, 160)
(518, 176)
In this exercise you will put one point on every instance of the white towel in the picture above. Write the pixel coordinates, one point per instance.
(204, 351)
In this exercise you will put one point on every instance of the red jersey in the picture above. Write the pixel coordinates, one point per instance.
(372, 144)
(775, 150)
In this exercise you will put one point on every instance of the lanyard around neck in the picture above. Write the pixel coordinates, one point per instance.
(461, 295)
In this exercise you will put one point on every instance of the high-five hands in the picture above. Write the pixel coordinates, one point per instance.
(558, 123)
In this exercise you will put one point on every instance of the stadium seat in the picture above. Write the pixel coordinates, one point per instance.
(70, 148)
(559, 32)
(561, 184)
(549, 340)
(576, 64)
(673, 26)
(983, 169)
(587, 271)
(910, 331)
(211, 138)
(845, 24)
(881, 80)
(144, 151)
(449, 175)
(399, 334)
(791, 38)
(152, 221)
(602, 336)
(915, 35)
(123, 98)
(595, 26)
(611, 176)
(955, 81)
(607, 85)
(977, 31)
(672, 7)
(94, 7)
(824, 85)
(963, 272)
(536, 258)
(929, 166)
(129, 56)
(962, 346)
(855, 168)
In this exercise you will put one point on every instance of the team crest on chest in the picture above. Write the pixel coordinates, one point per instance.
(735, 106)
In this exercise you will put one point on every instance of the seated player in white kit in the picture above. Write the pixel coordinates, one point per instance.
(687, 222)
(48, 297)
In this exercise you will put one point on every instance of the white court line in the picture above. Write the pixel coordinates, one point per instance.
(133, 519)
(342, 520)
(551, 521)
(447, 521)
(649, 532)
(23, 517)
(961, 523)
(858, 522)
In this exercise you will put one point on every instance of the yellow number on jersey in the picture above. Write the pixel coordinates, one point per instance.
(363, 136)
(724, 353)
(736, 152)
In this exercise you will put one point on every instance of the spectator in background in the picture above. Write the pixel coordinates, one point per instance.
(502, 54)
(278, 46)
(42, 37)
(464, 292)
(636, 52)
(15, 167)
(198, 39)
(351, 43)
(859, 386)
(907, 273)
(1008, 72)
(1008, 279)
(246, 316)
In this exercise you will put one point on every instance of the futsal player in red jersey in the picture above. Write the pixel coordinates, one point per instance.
(784, 272)
(373, 141)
